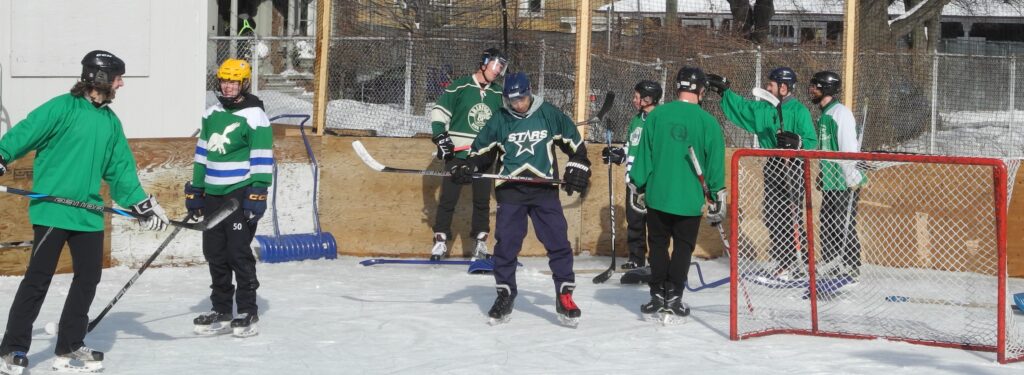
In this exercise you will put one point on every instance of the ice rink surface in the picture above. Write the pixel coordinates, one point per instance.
(337, 317)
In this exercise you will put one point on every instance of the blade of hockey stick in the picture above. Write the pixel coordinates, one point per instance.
(609, 98)
(93, 207)
(138, 273)
(933, 301)
(212, 220)
(377, 166)
(765, 95)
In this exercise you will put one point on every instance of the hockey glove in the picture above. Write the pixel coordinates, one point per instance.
(716, 209)
(788, 140)
(3, 166)
(577, 177)
(637, 198)
(153, 216)
(717, 83)
(613, 154)
(445, 146)
(461, 171)
(195, 200)
(255, 204)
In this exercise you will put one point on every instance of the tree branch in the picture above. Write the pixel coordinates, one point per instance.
(926, 10)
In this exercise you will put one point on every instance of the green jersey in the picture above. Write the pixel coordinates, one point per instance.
(636, 129)
(837, 131)
(76, 146)
(526, 141)
(464, 109)
(235, 148)
(761, 119)
(663, 166)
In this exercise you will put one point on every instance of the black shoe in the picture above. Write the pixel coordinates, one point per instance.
(657, 301)
(674, 302)
(632, 265)
(245, 320)
(502, 308)
(210, 317)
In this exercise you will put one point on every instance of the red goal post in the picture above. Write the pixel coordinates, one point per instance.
(917, 254)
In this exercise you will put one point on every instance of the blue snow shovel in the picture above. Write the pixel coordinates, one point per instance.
(301, 246)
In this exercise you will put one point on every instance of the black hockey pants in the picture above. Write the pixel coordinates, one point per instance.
(226, 248)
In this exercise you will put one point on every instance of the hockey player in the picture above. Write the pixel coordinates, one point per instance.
(839, 180)
(663, 170)
(525, 132)
(783, 197)
(233, 159)
(458, 116)
(646, 95)
(79, 141)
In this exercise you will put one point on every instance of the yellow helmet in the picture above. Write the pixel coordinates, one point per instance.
(234, 70)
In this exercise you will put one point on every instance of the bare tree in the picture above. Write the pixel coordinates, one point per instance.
(752, 21)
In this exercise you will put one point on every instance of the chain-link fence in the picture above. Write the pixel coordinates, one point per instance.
(282, 71)
(389, 62)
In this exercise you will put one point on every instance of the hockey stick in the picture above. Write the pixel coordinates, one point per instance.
(707, 196)
(377, 166)
(933, 301)
(210, 222)
(138, 273)
(15, 244)
(609, 98)
(765, 95)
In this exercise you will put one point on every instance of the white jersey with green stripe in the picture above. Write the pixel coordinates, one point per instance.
(235, 148)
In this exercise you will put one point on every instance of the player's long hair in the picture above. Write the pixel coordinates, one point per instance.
(82, 89)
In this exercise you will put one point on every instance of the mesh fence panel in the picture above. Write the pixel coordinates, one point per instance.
(919, 240)
(282, 71)
(390, 61)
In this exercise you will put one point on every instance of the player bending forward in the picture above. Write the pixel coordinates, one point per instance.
(524, 132)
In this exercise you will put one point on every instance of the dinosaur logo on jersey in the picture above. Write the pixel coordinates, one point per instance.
(478, 116)
(217, 141)
(527, 140)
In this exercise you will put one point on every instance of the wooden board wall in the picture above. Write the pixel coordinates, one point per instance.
(385, 214)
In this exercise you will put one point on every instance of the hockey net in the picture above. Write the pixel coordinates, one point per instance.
(919, 255)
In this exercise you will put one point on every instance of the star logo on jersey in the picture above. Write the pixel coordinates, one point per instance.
(217, 141)
(526, 141)
(478, 116)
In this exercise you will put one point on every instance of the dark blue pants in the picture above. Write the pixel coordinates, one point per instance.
(549, 225)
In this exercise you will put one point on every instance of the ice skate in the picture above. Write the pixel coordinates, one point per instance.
(568, 312)
(501, 311)
(212, 323)
(440, 247)
(14, 363)
(245, 325)
(632, 264)
(650, 309)
(675, 311)
(480, 252)
(82, 360)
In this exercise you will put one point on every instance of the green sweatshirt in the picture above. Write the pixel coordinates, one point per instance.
(77, 145)
(663, 166)
(761, 118)
(463, 110)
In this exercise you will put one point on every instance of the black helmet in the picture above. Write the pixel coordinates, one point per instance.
(493, 53)
(783, 75)
(691, 79)
(826, 81)
(649, 89)
(101, 67)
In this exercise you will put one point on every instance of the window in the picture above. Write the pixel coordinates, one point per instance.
(531, 8)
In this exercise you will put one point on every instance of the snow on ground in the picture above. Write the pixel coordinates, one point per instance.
(337, 317)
